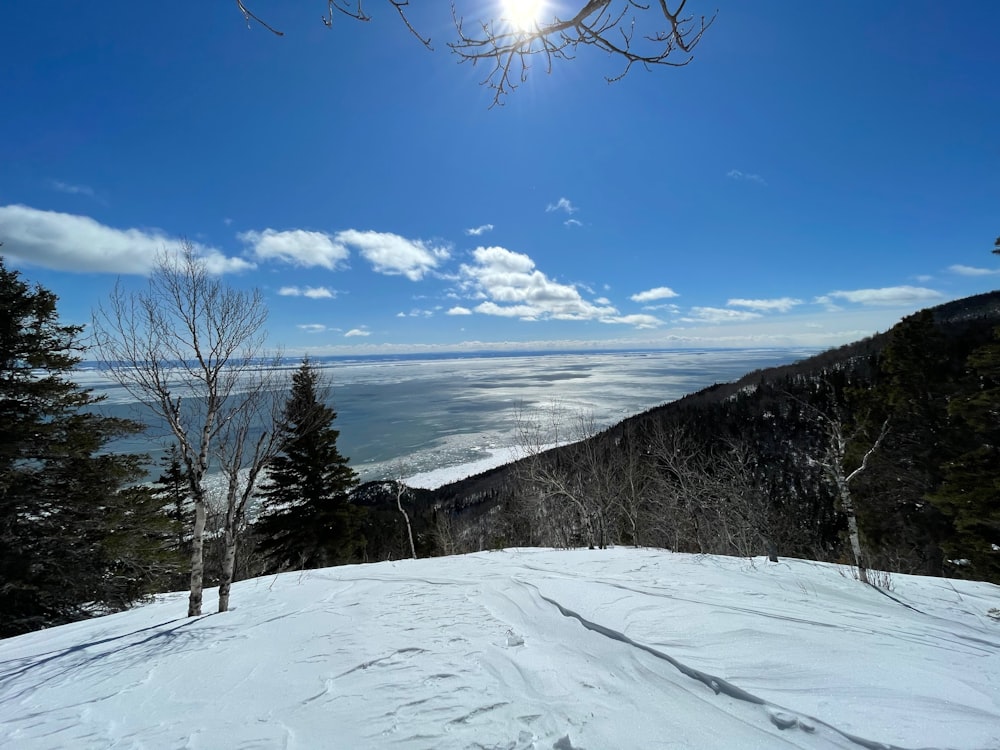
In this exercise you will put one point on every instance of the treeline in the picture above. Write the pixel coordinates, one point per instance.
(78, 535)
(897, 434)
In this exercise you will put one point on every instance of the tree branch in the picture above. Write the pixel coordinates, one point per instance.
(613, 26)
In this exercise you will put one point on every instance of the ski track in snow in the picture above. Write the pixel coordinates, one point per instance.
(522, 650)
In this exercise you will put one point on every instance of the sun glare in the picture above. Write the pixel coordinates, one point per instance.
(522, 14)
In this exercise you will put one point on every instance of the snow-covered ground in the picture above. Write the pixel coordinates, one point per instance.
(492, 458)
(525, 649)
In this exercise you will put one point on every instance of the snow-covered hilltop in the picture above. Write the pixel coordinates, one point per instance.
(525, 649)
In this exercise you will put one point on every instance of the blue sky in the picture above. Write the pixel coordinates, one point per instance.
(818, 171)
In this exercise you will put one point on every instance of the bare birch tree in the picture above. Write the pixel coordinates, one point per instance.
(833, 461)
(401, 490)
(243, 456)
(183, 347)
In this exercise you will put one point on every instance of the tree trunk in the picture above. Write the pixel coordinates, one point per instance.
(406, 517)
(197, 558)
(847, 503)
(228, 566)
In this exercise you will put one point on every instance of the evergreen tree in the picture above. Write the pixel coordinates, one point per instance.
(308, 519)
(138, 547)
(970, 492)
(60, 559)
(173, 490)
(910, 393)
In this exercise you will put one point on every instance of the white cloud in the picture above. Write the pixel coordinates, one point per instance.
(459, 310)
(573, 223)
(297, 247)
(735, 174)
(972, 271)
(893, 295)
(524, 312)
(660, 292)
(481, 229)
(563, 204)
(781, 304)
(639, 321)
(357, 332)
(394, 255)
(312, 327)
(69, 242)
(66, 187)
(318, 292)
(511, 287)
(718, 315)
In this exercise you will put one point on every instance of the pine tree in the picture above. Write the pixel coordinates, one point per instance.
(970, 492)
(138, 547)
(173, 491)
(911, 385)
(307, 518)
(60, 558)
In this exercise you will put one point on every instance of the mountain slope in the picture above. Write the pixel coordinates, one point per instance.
(525, 649)
(773, 426)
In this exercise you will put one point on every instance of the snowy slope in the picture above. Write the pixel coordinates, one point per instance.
(525, 649)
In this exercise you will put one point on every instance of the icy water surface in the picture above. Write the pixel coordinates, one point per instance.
(412, 415)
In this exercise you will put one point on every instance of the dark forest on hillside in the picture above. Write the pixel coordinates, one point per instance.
(738, 468)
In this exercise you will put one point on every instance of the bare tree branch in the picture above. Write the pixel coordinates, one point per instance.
(608, 25)
(247, 14)
(637, 33)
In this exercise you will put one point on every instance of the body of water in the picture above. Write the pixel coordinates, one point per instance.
(412, 415)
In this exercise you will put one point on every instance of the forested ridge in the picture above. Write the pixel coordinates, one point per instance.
(750, 457)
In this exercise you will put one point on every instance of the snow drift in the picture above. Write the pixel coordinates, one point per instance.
(525, 649)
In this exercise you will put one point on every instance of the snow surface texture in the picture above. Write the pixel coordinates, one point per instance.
(523, 649)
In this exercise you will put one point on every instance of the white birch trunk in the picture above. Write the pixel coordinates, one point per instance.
(197, 558)
(406, 516)
(228, 566)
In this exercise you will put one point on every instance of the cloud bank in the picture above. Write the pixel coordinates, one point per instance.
(80, 244)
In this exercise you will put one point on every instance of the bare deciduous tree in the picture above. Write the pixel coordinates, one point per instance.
(187, 347)
(646, 484)
(576, 491)
(634, 33)
(401, 490)
(243, 456)
(833, 461)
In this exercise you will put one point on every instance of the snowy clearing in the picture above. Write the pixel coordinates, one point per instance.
(525, 649)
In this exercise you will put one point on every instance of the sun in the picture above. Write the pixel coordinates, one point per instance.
(523, 15)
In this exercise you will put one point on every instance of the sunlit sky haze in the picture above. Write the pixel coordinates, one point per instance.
(815, 173)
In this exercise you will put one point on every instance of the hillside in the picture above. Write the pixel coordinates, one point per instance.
(524, 649)
(768, 430)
